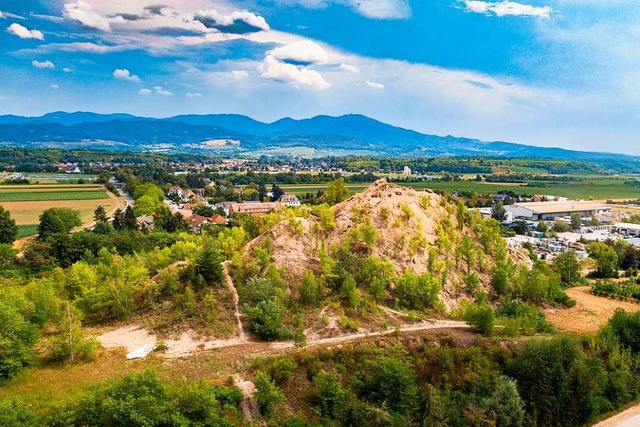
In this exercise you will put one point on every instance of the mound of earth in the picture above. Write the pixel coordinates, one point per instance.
(414, 230)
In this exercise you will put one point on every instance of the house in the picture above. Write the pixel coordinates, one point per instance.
(188, 194)
(218, 219)
(176, 190)
(145, 222)
(253, 208)
(196, 222)
(406, 171)
(289, 200)
(549, 211)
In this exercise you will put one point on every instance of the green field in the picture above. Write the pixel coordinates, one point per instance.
(36, 196)
(594, 188)
(27, 230)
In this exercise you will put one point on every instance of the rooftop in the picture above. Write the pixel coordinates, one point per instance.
(564, 206)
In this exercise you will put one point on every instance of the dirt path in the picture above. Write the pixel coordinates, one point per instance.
(236, 300)
(628, 418)
(589, 313)
(139, 342)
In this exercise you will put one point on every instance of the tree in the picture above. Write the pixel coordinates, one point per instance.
(568, 267)
(58, 220)
(177, 222)
(118, 220)
(129, 221)
(606, 259)
(543, 227)
(576, 221)
(8, 227)
(309, 289)
(70, 343)
(100, 214)
(498, 212)
(267, 394)
(336, 192)
(209, 263)
(203, 210)
(481, 316)
(18, 339)
(276, 193)
(15, 413)
(262, 192)
(329, 393)
(266, 319)
(505, 405)
(7, 255)
(103, 227)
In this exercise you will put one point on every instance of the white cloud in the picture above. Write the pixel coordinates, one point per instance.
(44, 64)
(349, 67)
(24, 33)
(383, 9)
(67, 70)
(507, 8)
(301, 52)
(2, 15)
(239, 22)
(83, 13)
(124, 74)
(374, 85)
(274, 69)
(55, 87)
(375, 9)
(87, 47)
(193, 95)
(160, 91)
(144, 92)
(239, 74)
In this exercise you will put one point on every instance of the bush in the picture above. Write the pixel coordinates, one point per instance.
(481, 317)
(267, 393)
(329, 394)
(417, 292)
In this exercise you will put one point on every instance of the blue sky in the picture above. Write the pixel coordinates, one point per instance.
(544, 72)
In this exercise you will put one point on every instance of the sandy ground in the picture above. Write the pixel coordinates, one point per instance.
(628, 418)
(589, 313)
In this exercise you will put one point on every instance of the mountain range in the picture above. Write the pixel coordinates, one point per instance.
(238, 134)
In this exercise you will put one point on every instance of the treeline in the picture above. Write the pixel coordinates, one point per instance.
(556, 381)
(134, 400)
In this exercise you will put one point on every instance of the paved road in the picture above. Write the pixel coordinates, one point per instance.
(628, 418)
(124, 195)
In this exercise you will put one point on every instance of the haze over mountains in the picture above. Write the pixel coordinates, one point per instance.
(233, 133)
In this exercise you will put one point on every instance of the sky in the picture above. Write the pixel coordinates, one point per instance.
(541, 72)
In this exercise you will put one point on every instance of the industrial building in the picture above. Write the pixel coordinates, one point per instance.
(626, 228)
(549, 211)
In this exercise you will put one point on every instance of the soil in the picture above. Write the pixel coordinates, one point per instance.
(589, 313)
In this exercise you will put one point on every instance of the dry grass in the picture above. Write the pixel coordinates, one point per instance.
(589, 313)
(29, 212)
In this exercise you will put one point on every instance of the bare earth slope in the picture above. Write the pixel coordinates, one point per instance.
(415, 230)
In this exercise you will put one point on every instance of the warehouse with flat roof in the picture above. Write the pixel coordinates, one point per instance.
(549, 211)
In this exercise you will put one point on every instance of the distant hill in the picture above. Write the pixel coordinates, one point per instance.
(188, 133)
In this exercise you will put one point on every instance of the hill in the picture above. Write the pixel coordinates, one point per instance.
(191, 133)
(387, 248)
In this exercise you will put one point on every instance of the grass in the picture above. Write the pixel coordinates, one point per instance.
(27, 230)
(37, 196)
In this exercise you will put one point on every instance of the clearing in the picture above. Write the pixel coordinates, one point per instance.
(589, 313)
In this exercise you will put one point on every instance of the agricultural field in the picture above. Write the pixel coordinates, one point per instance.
(590, 188)
(27, 202)
(53, 178)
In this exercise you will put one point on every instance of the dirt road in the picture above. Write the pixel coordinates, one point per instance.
(589, 313)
